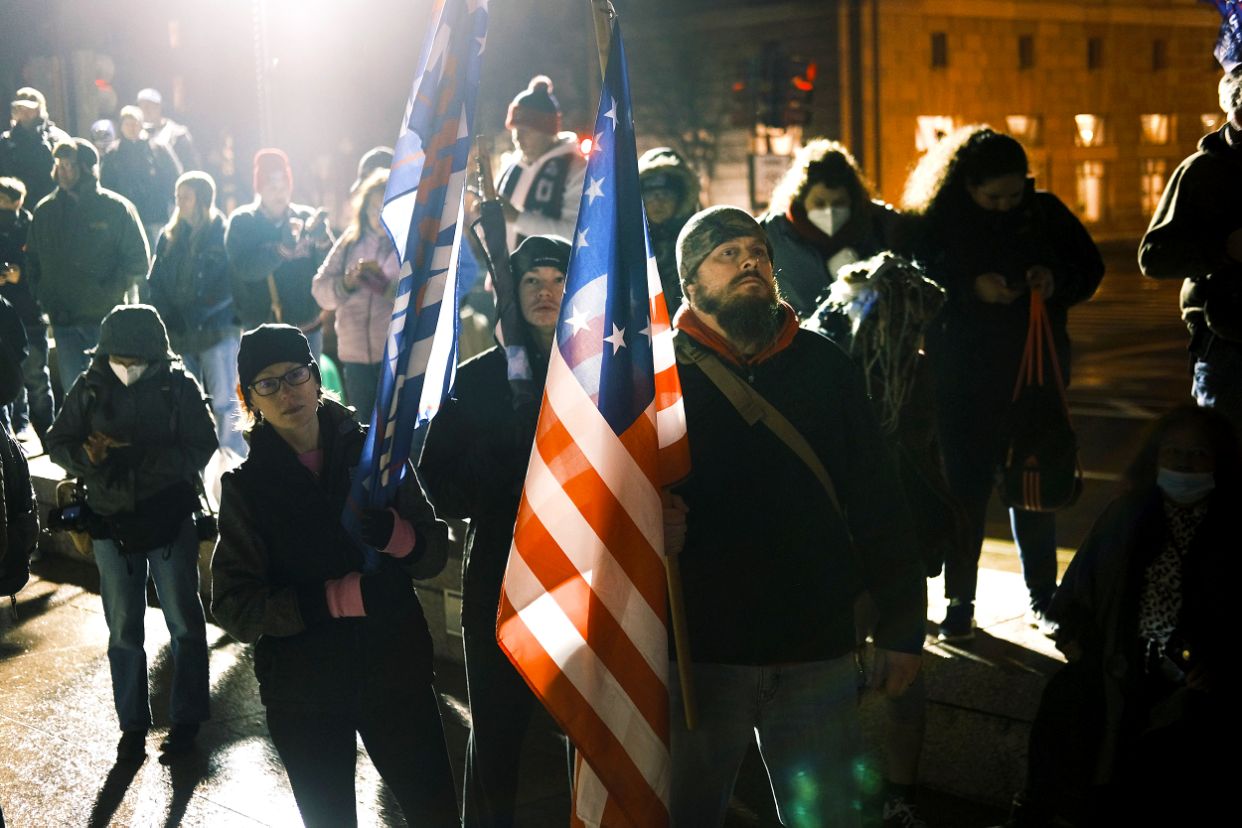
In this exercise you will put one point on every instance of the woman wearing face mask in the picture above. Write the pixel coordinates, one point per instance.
(1146, 621)
(822, 217)
(137, 431)
(989, 238)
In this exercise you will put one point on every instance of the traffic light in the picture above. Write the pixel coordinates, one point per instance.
(789, 82)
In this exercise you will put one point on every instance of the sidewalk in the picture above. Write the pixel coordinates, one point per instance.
(59, 732)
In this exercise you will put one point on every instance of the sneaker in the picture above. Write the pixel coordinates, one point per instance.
(958, 623)
(899, 813)
(180, 739)
(1037, 615)
(132, 747)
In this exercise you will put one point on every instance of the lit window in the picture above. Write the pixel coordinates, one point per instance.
(1090, 130)
(1029, 129)
(1211, 121)
(931, 129)
(1155, 172)
(1156, 129)
(1091, 190)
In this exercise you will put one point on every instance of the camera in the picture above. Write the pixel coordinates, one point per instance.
(206, 526)
(77, 516)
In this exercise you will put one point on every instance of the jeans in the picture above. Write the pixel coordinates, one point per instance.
(72, 343)
(1218, 378)
(973, 447)
(501, 706)
(216, 369)
(123, 587)
(404, 739)
(361, 381)
(35, 405)
(805, 720)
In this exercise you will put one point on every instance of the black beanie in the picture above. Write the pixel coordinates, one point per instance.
(540, 251)
(267, 345)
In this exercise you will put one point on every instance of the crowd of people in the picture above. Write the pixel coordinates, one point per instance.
(848, 370)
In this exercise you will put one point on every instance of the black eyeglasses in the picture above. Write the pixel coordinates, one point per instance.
(268, 386)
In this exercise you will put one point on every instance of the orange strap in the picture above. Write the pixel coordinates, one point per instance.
(1038, 342)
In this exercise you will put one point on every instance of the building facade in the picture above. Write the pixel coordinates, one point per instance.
(1107, 95)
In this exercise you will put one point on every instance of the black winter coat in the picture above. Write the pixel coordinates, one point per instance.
(1097, 603)
(770, 568)
(474, 466)
(14, 228)
(146, 174)
(975, 346)
(1187, 235)
(281, 538)
(190, 286)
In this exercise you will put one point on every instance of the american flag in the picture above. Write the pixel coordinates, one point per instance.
(583, 610)
(423, 214)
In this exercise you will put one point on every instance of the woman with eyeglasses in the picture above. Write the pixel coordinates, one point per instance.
(341, 648)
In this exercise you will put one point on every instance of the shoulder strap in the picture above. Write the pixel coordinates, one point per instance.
(754, 407)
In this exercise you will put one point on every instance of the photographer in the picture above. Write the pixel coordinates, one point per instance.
(137, 431)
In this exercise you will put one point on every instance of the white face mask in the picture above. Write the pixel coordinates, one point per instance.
(128, 374)
(829, 219)
(1185, 487)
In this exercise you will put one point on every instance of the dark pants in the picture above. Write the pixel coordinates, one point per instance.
(973, 443)
(35, 404)
(404, 739)
(501, 707)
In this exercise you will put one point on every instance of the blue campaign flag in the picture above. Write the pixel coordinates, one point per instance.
(1228, 49)
(422, 213)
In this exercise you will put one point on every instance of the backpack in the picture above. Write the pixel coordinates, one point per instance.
(1041, 471)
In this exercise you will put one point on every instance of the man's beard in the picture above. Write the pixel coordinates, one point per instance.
(748, 320)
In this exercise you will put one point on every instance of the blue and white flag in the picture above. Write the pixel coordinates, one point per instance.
(423, 214)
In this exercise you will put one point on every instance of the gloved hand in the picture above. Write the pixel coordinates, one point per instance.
(375, 527)
(388, 593)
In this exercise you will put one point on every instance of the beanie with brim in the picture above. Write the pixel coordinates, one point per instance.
(376, 158)
(708, 229)
(536, 107)
(134, 331)
(268, 345)
(540, 251)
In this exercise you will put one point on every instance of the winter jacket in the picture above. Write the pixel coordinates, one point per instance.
(14, 230)
(976, 346)
(19, 517)
(281, 538)
(190, 286)
(363, 314)
(163, 417)
(1187, 235)
(547, 192)
(85, 250)
(145, 173)
(474, 466)
(254, 243)
(804, 271)
(26, 154)
(14, 348)
(771, 568)
(1097, 603)
(663, 161)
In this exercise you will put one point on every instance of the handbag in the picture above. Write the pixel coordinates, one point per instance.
(1041, 471)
